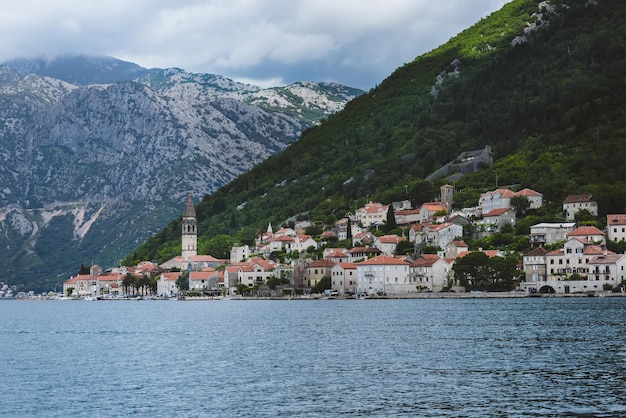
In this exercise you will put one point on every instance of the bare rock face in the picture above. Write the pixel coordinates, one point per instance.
(88, 171)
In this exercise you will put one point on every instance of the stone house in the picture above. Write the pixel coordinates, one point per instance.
(616, 227)
(387, 244)
(371, 214)
(575, 203)
(343, 278)
(534, 265)
(383, 275)
(550, 233)
(454, 248)
(431, 273)
(166, 285)
(316, 270)
(497, 218)
(436, 235)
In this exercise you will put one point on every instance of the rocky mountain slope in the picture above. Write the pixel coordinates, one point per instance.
(90, 170)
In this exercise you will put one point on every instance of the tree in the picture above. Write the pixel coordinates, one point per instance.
(520, 205)
(84, 269)
(220, 246)
(476, 271)
(274, 281)
(182, 282)
(322, 284)
(390, 225)
(584, 215)
(128, 282)
(405, 247)
(69, 291)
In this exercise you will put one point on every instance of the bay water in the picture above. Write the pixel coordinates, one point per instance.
(314, 358)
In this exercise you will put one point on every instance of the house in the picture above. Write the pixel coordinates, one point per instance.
(279, 243)
(534, 198)
(499, 217)
(550, 233)
(575, 203)
(427, 211)
(254, 272)
(387, 244)
(205, 280)
(407, 217)
(572, 259)
(363, 238)
(363, 253)
(238, 254)
(302, 243)
(343, 278)
(591, 234)
(435, 235)
(609, 269)
(454, 248)
(383, 275)
(316, 270)
(534, 265)
(431, 273)
(194, 262)
(371, 214)
(616, 227)
(166, 284)
(496, 199)
(602, 270)
(110, 284)
(501, 198)
(81, 285)
(336, 255)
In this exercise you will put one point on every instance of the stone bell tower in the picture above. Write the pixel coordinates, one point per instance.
(189, 232)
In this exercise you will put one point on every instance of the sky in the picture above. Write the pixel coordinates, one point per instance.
(263, 42)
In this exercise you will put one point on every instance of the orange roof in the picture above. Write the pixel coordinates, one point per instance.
(347, 266)
(528, 192)
(383, 260)
(433, 207)
(585, 231)
(619, 219)
(497, 212)
(201, 275)
(321, 263)
(170, 277)
(391, 239)
(426, 261)
(577, 198)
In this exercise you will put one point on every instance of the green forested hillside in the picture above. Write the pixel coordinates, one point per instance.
(553, 109)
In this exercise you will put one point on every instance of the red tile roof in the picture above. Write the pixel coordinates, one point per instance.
(383, 260)
(577, 198)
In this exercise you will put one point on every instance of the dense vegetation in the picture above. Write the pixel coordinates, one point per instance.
(551, 108)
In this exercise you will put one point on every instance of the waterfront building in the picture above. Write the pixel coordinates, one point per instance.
(383, 275)
(430, 273)
(343, 278)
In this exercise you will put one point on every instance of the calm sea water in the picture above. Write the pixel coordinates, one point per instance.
(386, 358)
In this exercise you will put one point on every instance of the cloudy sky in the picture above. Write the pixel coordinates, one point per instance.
(265, 42)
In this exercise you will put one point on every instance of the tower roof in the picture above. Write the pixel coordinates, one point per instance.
(190, 211)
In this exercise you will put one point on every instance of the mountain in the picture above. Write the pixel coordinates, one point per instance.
(80, 70)
(541, 83)
(90, 171)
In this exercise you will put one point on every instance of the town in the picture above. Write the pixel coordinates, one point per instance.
(566, 258)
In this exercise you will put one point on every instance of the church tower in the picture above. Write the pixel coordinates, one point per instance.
(190, 233)
(447, 196)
